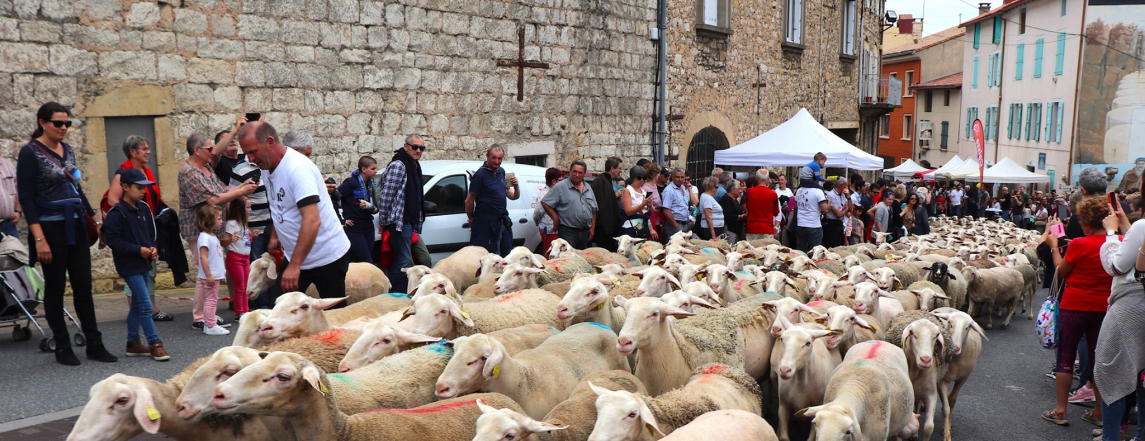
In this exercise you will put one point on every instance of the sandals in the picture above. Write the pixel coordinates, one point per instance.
(1089, 418)
(1056, 418)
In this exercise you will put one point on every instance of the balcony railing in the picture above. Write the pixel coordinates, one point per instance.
(880, 90)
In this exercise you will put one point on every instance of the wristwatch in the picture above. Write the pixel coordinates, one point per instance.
(1110, 232)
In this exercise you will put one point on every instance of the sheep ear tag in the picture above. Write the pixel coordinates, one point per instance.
(322, 387)
(152, 414)
(496, 371)
(466, 315)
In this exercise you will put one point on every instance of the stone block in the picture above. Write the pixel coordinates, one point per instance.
(373, 13)
(61, 10)
(300, 32)
(58, 89)
(250, 73)
(40, 31)
(281, 75)
(359, 37)
(257, 100)
(438, 125)
(348, 77)
(14, 123)
(194, 97)
(355, 56)
(228, 98)
(334, 35)
(80, 35)
(289, 100)
(369, 101)
(26, 9)
(415, 18)
(304, 54)
(407, 79)
(186, 44)
(102, 9)
(9, 29)
(329, 125)
(130, 39)
(340, 102)
(399, 40)
(190, 22)
(313, 76)
(413, 124)
(391, 123)
(203, 70)
(459, 125)
(288, 8)
(433, 21)
(455, 24)
(223, 26)
(143, 14)
(358, 124)
(395, 15)
(325, 56)
(124, 65)
(302, 123)
(68, 61)
(220, 48)
(253, 27)
(377, 37)
(315, 101)
(257, 6)
(345, 11)
(265, 51)
(420, 42)
(172, 68)
(316, 10)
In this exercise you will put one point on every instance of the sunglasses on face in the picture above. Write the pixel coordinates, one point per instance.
(417, 146)
(58, 124)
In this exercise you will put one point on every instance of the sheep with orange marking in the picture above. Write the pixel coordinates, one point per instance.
(439, 316)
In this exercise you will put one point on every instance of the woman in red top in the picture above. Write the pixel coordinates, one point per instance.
(1083, 303)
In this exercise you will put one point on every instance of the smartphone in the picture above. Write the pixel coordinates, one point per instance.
(1058, 230)
(250, 116)
(1113, 201)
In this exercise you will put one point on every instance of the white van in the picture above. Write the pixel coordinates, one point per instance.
(446, 185)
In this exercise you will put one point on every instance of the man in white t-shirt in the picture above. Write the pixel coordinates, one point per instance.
(315, 247)
(956, 199)
(811, 203)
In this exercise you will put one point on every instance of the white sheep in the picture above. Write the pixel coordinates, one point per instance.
(735, 261)
(703, 291)
(993, 287)
(871, 300)
(489, 265)
(379, 340)
(801, 364)
(462, 267)
(524, 257)
(299, 393)
(725, 425)
(625, 416)
(869, 397)
(687, 272)
(587, 300)
(435, 284)
(929, 295)
(296, 314)
(414, 274)
(363, 280)
(247, 334)
(730, 285)
(951, 281)
(789, 308)
(538, 379)
(440, 316)
(854, 328)
(685, 301)
(560, 246)
(655, 282)
(1029, 283)
(966, 337)
(924, 344)
(515, 278)
(670, 349)
(782, 284)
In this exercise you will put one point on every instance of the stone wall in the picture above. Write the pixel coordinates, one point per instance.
(712, 77)
(358, 75)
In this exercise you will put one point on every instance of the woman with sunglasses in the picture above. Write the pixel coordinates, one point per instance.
(910, 212)
(48, 181)
(637, 203)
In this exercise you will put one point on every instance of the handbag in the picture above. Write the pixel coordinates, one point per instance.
(1046, 324)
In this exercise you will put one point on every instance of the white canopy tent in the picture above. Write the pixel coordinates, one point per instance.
(1006, 171)
(952, 164)
(904, 170)
(794, 143)
(968, 167)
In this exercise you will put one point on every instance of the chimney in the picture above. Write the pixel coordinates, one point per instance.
(906, 27)
(983, 8)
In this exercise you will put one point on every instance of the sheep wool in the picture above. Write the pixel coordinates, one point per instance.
(721, 244)
(717, 335)
(938, 289)
(481, 290)
(906, 272)
(451, 419)
(760, 243)
(596, 256)
(375, 306)
(525, 307)
(579, 410)
(461, 267)
(325, 349)
(562, 269)
(400, 381)
(900, 322)
(679, 407)
(833, 266)
(645, 250)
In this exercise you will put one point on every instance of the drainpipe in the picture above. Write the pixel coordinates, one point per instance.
(662, 82)
(1076, 95)
(1001, 75)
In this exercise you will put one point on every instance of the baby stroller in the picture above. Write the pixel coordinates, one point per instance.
(21, 292)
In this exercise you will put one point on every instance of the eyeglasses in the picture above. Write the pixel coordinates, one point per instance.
(65, 123)
(417, 146)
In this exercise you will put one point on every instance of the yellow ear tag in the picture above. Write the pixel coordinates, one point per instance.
(698, 277)
(322, 387)
(464, 314)
(600, 306)
(496, 371)
(152, 413)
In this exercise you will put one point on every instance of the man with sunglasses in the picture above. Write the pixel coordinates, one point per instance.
(400, 206)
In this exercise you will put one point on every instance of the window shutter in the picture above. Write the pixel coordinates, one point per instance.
(1038, 57)
(1029, 119)
(969, 120)
(989, 120)
(1061, 119)
(1018, 121)
(1059, 64)
(945, 129)
(1038, 124)
(1049, 122)
(1020, 61)
(997, 121)
(977, 34)
(990, 73)
(974, 76)
(997, 30)
(1010, 124)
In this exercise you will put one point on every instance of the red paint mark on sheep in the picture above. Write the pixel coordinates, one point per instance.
(816, 303)
(874, 350)
(715, 369)
(822, 260)
(739, 285)
(507, 297)
(332, 337)
(431, 409)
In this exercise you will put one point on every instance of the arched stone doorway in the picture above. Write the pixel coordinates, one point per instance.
(702, 152)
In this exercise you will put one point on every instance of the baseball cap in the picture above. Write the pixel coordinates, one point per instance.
(133, 176)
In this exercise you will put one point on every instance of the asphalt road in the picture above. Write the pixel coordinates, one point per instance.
(1002, 401)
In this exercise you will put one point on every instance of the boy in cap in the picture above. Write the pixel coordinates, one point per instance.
(129, 229)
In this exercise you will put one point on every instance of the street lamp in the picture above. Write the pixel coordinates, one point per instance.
(889, 19)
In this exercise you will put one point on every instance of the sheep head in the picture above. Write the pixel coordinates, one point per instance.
(959, 324)
(263, 272)
(505, 424)
(295, 315)
(414, 274)
(843, 319)
(558, 247)
(585, 296)
(927, 298)
(645, 322)
(489, 264)
(118, 407)
(194, 402)
(798, 342)
(621, 415)
(655, 282)
(515, 278)
(476, 362)
(685, 301)
(271, 386)
(787, 312)
(379, 340)
(523, 257)
(834, 421)
(919, 340)
(434, 315)
(435, 284)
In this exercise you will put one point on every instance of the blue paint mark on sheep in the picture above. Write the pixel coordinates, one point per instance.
(396, 295)
(599, 325)
(440, 348)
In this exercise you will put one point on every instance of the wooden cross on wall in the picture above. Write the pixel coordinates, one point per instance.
(759, 85)
(520, 63)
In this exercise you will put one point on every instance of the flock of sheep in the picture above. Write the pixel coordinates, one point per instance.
(689, 340)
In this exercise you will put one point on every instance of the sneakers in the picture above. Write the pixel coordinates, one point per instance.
(161, 316)
(137, 349)
(1082, 395)
(215, 330)
(157, 352)
(199, 325)
(220, 321)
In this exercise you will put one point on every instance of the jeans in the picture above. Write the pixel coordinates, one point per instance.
(361, 237)
(329, 279)
(400, 244)
(238, 269)
(9, 229)
(150, 279)
(577, 238)
(809, 238)
(1111, 415)
(258, 247)
(206, 302)
(68, 261)
(140, 311)
(489, 231)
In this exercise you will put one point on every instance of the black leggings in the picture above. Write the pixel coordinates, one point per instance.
(329, 279)
(68, 262)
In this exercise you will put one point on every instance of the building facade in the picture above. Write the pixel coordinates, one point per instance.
(737, 68)
(897, 130)
(939, 112)
(923, 66)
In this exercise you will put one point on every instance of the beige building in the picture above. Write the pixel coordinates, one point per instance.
(907, 30)
(938, 94)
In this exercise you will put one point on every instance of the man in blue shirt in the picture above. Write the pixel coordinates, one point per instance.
(675, 205)
(489, 222)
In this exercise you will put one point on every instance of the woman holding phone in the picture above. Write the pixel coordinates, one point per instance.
(637, 204)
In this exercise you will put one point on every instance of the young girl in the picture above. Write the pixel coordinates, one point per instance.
(211, 270)
(237, 238)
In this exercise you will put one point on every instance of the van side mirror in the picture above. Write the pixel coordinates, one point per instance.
(428, 207)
